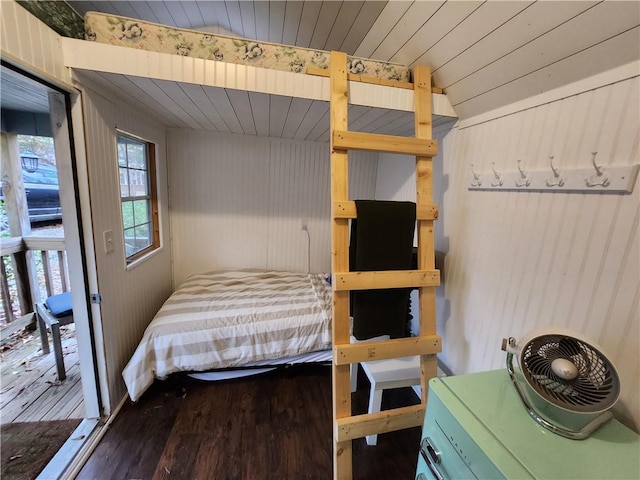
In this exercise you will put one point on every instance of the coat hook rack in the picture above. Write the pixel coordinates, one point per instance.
(557, 180)
(600, 179)
(476, 182)
(498, 178)
(594, 179)
(523, 181)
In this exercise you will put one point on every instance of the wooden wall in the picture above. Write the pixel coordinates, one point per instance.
(239, 201)
(516, 261)
(29, 42)
(130, 297)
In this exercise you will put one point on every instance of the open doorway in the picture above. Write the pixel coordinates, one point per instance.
(42, 256)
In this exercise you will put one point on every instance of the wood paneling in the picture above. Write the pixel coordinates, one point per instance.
(248, 197)
(30, 43)
(130, 297)
(518, 261)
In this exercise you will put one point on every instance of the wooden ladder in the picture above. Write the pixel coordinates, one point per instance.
(346, 426)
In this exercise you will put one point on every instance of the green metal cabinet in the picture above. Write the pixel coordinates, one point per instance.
(476, 427)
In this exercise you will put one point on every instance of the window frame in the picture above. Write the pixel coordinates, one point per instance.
(151, 197)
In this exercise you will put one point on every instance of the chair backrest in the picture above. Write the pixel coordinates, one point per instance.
(381, 239)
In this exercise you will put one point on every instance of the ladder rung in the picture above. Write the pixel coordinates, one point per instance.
(384, 143)
(385, 279)
(398, 347)
(358, 426)
(348, 210)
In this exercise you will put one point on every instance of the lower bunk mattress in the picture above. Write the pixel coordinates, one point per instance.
(231, 319)
(140, 34)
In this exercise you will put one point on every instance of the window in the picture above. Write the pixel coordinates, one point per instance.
(138, 196)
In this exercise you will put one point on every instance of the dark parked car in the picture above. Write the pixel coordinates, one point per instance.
(43, 199)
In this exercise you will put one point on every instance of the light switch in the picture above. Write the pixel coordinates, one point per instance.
(107, 236)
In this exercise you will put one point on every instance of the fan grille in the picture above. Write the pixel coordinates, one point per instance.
(595, 388)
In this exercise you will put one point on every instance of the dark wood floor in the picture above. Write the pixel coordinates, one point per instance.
(271, 426)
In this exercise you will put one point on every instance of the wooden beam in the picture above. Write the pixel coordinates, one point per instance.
(11, 245)
(348, 210)
(16, 325)
(341, 374)
(45, 243)
(349, 353)
(385, 279)
(374, 142)
(352, 77)
(349, 428)
(424, 196)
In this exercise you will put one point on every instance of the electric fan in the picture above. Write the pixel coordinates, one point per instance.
(569, 384)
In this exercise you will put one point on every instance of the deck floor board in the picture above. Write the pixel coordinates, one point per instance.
(30, 390)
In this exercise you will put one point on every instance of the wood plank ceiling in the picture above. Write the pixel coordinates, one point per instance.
(485, 54)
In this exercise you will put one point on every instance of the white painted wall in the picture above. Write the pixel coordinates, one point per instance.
(28, 42)
(516, 261)
(130, 297)
(239, 201)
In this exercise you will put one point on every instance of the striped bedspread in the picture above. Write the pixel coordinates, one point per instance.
(231, 318)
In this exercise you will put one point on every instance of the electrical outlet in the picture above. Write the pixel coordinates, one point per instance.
(305, 225)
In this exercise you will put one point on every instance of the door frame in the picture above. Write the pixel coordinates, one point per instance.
(67, 125)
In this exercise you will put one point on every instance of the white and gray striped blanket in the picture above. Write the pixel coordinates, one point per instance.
(231, 318)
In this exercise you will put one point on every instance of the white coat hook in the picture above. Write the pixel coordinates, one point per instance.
(498, 182)
(557, 180)
(599, 179)
(476, 182)
(523, 181)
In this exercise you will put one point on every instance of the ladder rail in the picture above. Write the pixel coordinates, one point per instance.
(341, 374)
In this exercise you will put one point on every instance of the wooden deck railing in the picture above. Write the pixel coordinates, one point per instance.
(32, 269)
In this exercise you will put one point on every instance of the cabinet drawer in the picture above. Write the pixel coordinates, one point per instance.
(444, 457)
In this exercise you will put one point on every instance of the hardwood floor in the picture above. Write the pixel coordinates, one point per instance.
(272, 426)
(31, 391)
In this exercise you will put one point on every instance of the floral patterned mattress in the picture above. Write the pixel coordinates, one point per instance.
(129, 32)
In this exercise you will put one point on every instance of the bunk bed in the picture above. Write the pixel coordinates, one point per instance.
(196, 58)
(187, 71)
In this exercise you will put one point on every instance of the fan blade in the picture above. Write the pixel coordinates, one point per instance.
(537, 365)
(569, 346)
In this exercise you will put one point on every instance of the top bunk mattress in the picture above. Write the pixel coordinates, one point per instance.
(130, 32)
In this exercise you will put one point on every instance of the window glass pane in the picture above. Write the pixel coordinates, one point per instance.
(141, 211)
(137, 183)
(135, 163)
(124, 183)
(136, 154)
(127, 215)
(143, 236)
(130, 242)
(122, 151)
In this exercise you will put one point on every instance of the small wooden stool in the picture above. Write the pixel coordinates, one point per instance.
(55, 312)
(384, 374)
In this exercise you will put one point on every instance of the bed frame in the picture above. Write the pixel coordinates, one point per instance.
(345, 426)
